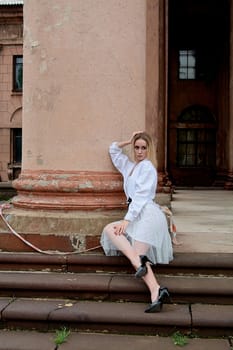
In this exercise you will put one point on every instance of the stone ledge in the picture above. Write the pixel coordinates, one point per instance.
(213, 317)
(90, 262)
(103, 286)
(32, 340)
(128, 318)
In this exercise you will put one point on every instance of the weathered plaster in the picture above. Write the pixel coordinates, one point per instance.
(84, 73)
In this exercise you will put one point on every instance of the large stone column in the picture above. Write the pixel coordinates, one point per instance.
(84, 86)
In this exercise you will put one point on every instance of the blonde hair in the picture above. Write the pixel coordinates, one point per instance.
(152, 156)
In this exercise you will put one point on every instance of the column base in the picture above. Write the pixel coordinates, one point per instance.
(66, 212)
(60, 231)
(55, 231)
(60, 190)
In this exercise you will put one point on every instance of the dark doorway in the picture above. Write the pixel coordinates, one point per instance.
(16, 153)
(198, 68)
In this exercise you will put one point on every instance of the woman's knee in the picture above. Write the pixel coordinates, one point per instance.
(109, 229)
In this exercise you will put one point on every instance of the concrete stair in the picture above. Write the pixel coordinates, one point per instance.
(114, 287)
(96, 293)
(33, 340)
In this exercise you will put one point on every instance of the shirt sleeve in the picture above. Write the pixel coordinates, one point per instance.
(119, 159)
(145, 188)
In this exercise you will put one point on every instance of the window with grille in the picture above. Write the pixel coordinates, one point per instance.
(187, 64)
(18, 73)
(196, 138)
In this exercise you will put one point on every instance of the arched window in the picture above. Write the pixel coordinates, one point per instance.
(196, 138)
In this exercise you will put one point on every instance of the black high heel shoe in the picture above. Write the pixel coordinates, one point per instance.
(157, 305)
(142, 270)
(164, 295)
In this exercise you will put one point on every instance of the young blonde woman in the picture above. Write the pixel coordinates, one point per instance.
(142, 236)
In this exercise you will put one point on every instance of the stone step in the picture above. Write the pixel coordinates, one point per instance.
(196, 263)
(32, 340)
(98, 293)
(114, 287)
(124, 318)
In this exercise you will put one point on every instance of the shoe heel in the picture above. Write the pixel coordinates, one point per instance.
(164, 295)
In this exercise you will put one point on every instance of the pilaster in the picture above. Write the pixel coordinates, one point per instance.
(229, 176)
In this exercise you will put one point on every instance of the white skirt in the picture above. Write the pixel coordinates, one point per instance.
(149, 227)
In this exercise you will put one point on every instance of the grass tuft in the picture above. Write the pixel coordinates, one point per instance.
(179, 339)
(61, 336)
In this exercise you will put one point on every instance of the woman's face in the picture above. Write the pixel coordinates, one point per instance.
(140, 150)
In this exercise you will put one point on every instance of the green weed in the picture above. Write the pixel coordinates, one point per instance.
(61, 336)
(179, 339)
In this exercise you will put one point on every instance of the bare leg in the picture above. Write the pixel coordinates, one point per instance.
(149, 278)
(122, 243)
(133, 254)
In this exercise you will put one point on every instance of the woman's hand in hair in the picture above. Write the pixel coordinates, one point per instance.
(129, 141)
(134, 134)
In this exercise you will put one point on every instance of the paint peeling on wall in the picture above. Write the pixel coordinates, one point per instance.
(87, 184)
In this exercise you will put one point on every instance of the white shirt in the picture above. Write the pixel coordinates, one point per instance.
(140, 186)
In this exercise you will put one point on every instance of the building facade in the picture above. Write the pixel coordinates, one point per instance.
(194, 71)
(11, 83)
(94, 71)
